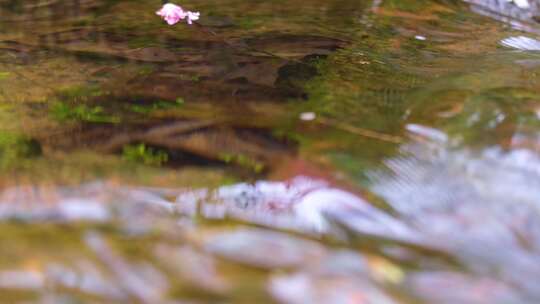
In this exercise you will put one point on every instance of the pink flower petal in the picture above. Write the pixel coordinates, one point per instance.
(173, 13)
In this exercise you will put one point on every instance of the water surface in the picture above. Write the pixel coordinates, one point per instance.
(275, 152)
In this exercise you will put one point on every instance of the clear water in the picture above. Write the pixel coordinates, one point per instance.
(275, 152)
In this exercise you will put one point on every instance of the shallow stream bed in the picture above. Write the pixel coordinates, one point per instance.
(337, 151)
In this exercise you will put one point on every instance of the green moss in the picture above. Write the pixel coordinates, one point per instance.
(243, 161)
(159, 105)
(4, 75)
(14, 148)
(142, 154)
(63, 111)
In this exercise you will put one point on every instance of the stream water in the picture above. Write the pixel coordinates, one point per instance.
(337, 151)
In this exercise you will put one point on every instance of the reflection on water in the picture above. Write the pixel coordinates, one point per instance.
(521, 43)
(360, 152)
(520, 14)
(300, 204)
(487, 215)
(487, 223)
